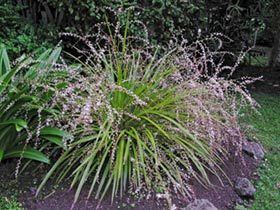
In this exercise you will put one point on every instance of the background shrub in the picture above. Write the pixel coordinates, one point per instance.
(243, 21)
(18, 34)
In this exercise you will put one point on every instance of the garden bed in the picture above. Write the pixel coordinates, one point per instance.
(223, 196)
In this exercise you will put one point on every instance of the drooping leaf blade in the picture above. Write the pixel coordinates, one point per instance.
(28, 153)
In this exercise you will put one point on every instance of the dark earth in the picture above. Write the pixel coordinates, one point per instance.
(222, 195)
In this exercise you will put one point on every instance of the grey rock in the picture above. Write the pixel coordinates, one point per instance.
(254, 149)
(201, 204)
(244, 187)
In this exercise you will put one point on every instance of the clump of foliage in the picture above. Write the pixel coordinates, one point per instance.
(24, 108)
(160, 16)
(239, 20)
(18, 34)
(9, 204)
(143, 117)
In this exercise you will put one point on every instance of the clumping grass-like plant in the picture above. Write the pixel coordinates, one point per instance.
(145, 118)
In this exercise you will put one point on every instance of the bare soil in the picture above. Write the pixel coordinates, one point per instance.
(55, 197)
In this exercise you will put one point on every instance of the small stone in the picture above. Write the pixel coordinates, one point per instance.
(254, 149)
(201, 204)
(244, 187)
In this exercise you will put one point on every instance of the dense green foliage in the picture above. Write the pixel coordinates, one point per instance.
(243, 21)
(22, 111)
(9, 204)
(162, 18)
(18, 34)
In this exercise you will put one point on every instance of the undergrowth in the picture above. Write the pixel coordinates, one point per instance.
(9, 204)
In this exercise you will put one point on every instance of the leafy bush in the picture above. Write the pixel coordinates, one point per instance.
(18, 34)
(239, 20)
(144, 120)
(23, 108)
(160, 16)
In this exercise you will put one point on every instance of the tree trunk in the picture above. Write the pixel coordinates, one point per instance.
(275, 24)
(275, 54)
